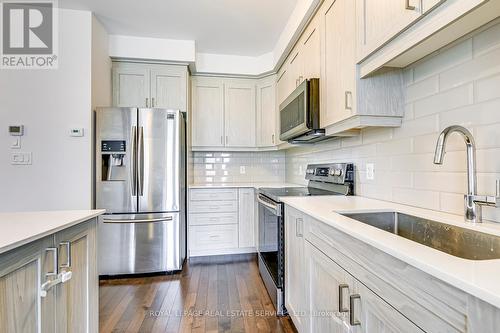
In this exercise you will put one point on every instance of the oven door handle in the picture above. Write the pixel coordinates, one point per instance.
(275, 208)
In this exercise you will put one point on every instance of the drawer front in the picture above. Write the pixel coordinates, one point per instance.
(213, 194)
(213, 206)
(213, 237)
(211, 218)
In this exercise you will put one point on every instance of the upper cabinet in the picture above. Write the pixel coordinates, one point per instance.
(396, 33)
(148, 85)
(349, 103)
(267, 113)
(380, 20)
(239, 99)
(208, 112)
(224, 113)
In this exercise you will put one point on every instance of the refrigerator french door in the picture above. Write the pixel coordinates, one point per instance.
(140, 181)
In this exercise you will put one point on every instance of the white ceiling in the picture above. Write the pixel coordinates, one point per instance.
(237, 27)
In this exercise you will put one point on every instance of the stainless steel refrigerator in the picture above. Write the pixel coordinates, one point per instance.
(141, 182)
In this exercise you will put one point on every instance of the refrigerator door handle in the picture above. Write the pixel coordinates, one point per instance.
(140, 159)
(160, 219)
(134, 161)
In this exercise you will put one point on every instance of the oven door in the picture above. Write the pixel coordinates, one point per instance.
(271, 238)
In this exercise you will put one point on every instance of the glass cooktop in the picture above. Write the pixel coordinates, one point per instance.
(276, 193)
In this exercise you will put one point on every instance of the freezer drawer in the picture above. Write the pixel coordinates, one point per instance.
(141, 243)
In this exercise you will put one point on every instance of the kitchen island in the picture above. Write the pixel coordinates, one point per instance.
(48, 271)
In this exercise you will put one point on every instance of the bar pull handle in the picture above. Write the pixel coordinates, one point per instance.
(272, 138)
(134, 160)
(147, 102)
(299, 227)
(67, 246)
(227, 140)
(498, 188)
(408, 6)
(342, 287)
(352, 316)
(348, 99)
(153, 102)
(140, 155)
(51, 275)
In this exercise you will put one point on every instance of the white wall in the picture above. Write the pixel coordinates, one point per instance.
(458, 86)
(49, 103)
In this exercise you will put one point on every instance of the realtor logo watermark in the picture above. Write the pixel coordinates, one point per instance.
(29, 34)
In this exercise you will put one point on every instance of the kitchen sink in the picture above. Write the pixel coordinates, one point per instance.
(457, 241)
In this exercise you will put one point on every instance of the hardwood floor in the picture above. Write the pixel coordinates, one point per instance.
(219, 294)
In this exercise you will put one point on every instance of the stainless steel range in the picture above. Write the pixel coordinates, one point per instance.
(324, 179)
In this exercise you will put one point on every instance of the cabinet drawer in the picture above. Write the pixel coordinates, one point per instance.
(213, 194)
(213, 237)
(213, 206)
(211, 218)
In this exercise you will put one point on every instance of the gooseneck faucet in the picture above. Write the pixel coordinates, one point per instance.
(472, 201)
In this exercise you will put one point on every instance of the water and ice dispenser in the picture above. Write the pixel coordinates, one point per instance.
(113, 160)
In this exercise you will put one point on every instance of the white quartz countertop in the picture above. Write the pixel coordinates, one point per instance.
(255, 185)
(479, 278)
(18, 229)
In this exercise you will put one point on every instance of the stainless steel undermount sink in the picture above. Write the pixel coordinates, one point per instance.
(457, 241)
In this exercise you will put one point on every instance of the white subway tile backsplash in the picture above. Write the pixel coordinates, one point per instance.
(472, 115)
(447, 100)
(416, 127)
(445, 59)
(428, 199)
(486, 41)
(421, 89)
(488, 88)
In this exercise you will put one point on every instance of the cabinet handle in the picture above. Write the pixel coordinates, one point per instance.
(53, 251)
(153, 102)
(298, 227)
(272, 138)
(342, 287)
(301, 78)
(221, 140)
(408, 6)
(348, 97)
(67, 245)
(352, 317)
(227, 140)
(147, 100)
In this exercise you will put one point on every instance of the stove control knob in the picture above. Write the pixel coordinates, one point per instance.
(338, 172)
(331, 172)
(309, 171)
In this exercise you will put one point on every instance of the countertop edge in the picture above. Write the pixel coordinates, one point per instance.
(33, 238)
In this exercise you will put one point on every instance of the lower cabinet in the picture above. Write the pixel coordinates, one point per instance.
(51, 285)
(221, 221)
(340, 303)
(295, 268)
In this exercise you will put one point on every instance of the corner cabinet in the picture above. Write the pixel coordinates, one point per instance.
(150, 85)
(233, 113)
(29, 302)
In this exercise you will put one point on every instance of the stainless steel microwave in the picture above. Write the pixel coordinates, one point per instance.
(299, 114)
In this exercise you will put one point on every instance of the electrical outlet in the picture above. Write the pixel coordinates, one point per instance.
(243, 170)
(20, 158)
(370, 171)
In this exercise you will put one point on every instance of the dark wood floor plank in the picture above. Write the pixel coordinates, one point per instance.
(211, 295)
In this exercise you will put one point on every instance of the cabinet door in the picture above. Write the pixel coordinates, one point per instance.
(370, 313)
(325, 281)
(239, 113)
(339, 68)
(208, 112)
(283, 85)
(246, 217)
(266, 113)
(428, 5)
(311, 50)
(295, 271)
(168, 87)
(22, 271)
(380, 20)
(295, 68)
(131, 86)
(77, 298)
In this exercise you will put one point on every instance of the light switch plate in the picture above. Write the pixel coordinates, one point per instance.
(370, 171)
(20, 158)
(76, 132)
